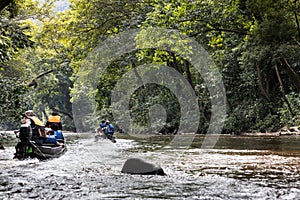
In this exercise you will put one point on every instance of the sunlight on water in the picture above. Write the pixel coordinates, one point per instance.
(91, 170)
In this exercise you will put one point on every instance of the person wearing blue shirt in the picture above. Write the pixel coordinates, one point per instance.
(102, 125)
(110, 128)
(109, 131)
(105, 130)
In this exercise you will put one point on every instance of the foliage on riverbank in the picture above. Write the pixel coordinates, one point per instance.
(254, 44)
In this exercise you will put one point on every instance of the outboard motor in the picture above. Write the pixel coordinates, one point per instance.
(24, 148)
(25, 132)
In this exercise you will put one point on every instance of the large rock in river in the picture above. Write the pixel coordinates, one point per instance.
(139, 166)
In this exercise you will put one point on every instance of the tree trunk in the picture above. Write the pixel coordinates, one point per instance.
(296, 18)
(175, 63)
(260, 84)
(4, 3)
(291, 73)
(139, 78)
(283, 92)
(188, 73)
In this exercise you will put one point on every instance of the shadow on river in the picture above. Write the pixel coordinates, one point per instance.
(236, 168)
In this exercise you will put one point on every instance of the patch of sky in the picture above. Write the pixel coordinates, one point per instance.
(59, 5)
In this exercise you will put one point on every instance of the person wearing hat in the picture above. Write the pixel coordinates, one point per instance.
(37, 126)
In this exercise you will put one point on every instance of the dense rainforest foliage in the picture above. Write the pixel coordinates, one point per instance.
(255, 46)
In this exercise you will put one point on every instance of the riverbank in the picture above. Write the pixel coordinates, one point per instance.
(293, 130)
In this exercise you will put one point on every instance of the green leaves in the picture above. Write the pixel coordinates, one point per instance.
(13, 102)
(246, 39)
(12, 39)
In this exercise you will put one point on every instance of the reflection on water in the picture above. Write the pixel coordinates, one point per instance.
(89, 170)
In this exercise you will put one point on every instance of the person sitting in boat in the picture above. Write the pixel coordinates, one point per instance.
(102, 126)
(109, 130)
(54, 123)
(37, 126)
(38, 129)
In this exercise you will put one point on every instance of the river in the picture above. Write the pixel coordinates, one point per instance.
(236, 168)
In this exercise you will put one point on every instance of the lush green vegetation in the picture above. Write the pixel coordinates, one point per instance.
(255, 45)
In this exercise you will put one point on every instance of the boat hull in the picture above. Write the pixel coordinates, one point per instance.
(29, 149)
(103, 136)
(46, 152)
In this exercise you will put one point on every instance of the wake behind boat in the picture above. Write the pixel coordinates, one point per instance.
(105, 136)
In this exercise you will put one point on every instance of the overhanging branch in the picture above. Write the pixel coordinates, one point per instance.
(62, 112)
(33, 81)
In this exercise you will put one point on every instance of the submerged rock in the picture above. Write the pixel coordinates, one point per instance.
(139, 166)
(1, 145)
(293, 130)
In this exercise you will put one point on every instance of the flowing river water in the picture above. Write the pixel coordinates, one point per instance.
(236, 168)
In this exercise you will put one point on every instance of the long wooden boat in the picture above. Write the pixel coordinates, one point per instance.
(47, 151)
(38, 148)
